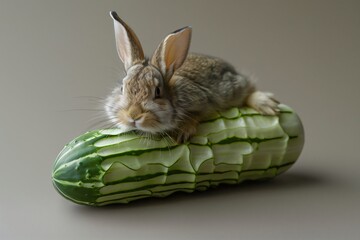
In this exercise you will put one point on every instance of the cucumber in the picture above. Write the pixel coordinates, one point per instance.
(111, 166)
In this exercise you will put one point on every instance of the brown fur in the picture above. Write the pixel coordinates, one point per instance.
(190, 85)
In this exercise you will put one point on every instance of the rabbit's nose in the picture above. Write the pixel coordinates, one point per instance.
(135, 121)
(135, 116)
(135, 112)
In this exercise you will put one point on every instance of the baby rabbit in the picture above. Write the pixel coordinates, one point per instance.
(172, 91)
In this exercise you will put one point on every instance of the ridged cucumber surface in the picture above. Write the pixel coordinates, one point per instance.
(111, 166)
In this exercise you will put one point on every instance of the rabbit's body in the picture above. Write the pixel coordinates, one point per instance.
(170, 93)
(205, 82)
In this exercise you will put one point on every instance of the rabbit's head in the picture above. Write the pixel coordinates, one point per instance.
(143, 100)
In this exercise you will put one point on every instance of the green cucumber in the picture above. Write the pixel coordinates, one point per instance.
(111, 166)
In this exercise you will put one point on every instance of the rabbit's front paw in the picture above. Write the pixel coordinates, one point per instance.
(185, 131)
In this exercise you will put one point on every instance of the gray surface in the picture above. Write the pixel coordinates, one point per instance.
(55, 53)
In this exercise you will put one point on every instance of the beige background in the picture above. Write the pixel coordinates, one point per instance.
(58, 57)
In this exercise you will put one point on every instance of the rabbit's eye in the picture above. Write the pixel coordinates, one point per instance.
(157, 92)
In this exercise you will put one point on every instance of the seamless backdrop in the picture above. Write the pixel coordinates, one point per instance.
(58, 61)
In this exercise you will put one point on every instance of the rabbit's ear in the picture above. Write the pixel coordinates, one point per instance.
(172, 52)
(127, 44)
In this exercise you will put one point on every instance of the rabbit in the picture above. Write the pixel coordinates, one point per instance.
(171, 92)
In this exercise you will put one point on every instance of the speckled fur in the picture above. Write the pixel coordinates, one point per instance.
(201, 85)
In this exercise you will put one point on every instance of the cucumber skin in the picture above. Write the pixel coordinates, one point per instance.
(80, 172)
